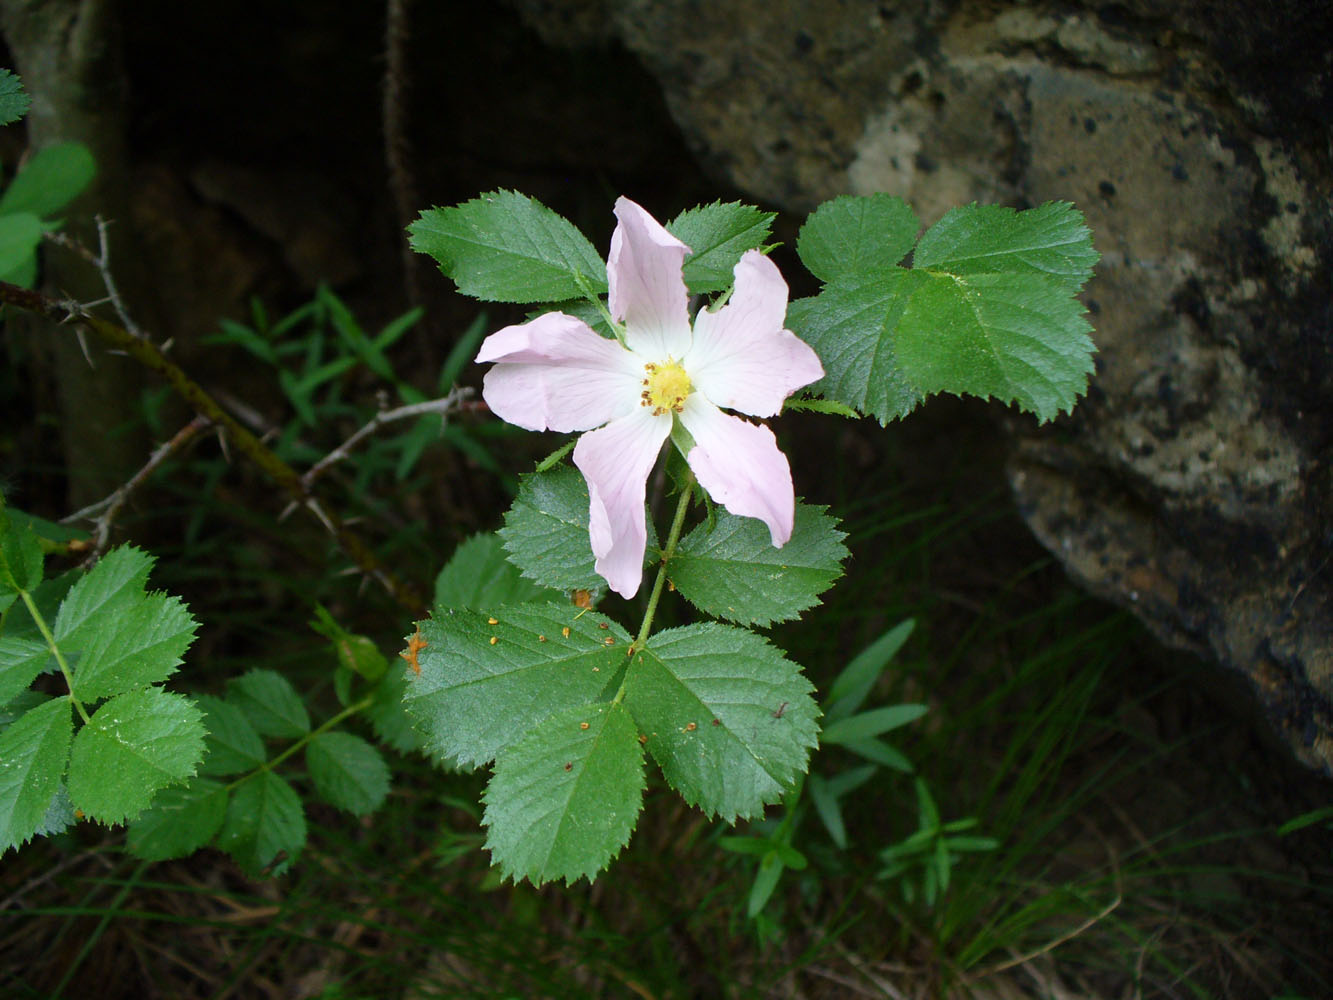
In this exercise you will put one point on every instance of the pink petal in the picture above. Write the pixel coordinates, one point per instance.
(740, 466)
(648, 294)
(615, 461)
(555, 373)
(742, 358)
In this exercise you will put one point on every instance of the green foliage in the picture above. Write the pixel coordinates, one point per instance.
(52, 178)
(730, 568)
(264, 825)
(922, 863)
(348, 772)
(474, 697)
(987, 308)
(33, 752)
(565, 798)
(478, 576)
(856, 235)
(270, 703)
(728, 718)
(506, 247)
(546, 531)
(13, 101)
(717, 235)
(181, 820)
(111, 640)
(136, 744)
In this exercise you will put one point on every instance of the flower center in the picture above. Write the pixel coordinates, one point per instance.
(666, 387)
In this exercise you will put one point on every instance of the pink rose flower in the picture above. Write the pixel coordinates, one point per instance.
(556, 373)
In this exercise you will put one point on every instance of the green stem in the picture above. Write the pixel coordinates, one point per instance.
(677, 522)
(596, 300)
(346, 713)
(55, 650)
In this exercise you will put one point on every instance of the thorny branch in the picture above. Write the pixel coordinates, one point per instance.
(102, 261)
(151, 357)
(106, 510)
(443, 406)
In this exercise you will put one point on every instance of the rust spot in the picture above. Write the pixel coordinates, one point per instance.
(603, 625)
(643, 738)
(690, 727)
(583, 725)
(565, 631)
(541, 638)
(494, 639)
(581, 599)
(414, 646)
(717, 722)
(569, 767)
(610, 640)
(492, 621)
(671, 586)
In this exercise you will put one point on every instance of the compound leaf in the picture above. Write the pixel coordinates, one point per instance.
(487, 679)
(506, 247)
(731, 570)
(727, 717)
(134, 745)
(564, 800)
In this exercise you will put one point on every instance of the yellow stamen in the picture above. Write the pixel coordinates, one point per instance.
(666, 388)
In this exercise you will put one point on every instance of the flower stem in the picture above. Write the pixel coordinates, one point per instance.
(55, 650)
(686, 490)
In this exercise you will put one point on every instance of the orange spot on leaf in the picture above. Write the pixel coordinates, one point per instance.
(415, 645)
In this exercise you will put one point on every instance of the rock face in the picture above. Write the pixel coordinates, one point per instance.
(1193, 485)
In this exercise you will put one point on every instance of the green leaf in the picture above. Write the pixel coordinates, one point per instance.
(139, 645)
(881, 753)
(815, 405)
(849, 690)
(264, 828)
(850, 325)
(826, 794)
(133, 746)
(33, 752)
(1015, 337)
(480, 576)
(388, 714)
(181, 820)
(872, 723)
(21, 660)
(1050, 241)
(232, 744)
(348, 772)
(546, 531)
(765, 881)
(728, 718)
(18, 621)
(20, 554)
(474, 697)
(987, 310)
(717, 235)
(270, 703)
(563, 801)
(50, 180)
(506, 247)
(853, 235)
(733, 571)
(59, 816)
(355, 653)
(108, 589)
(20, 235)
(13, 101)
